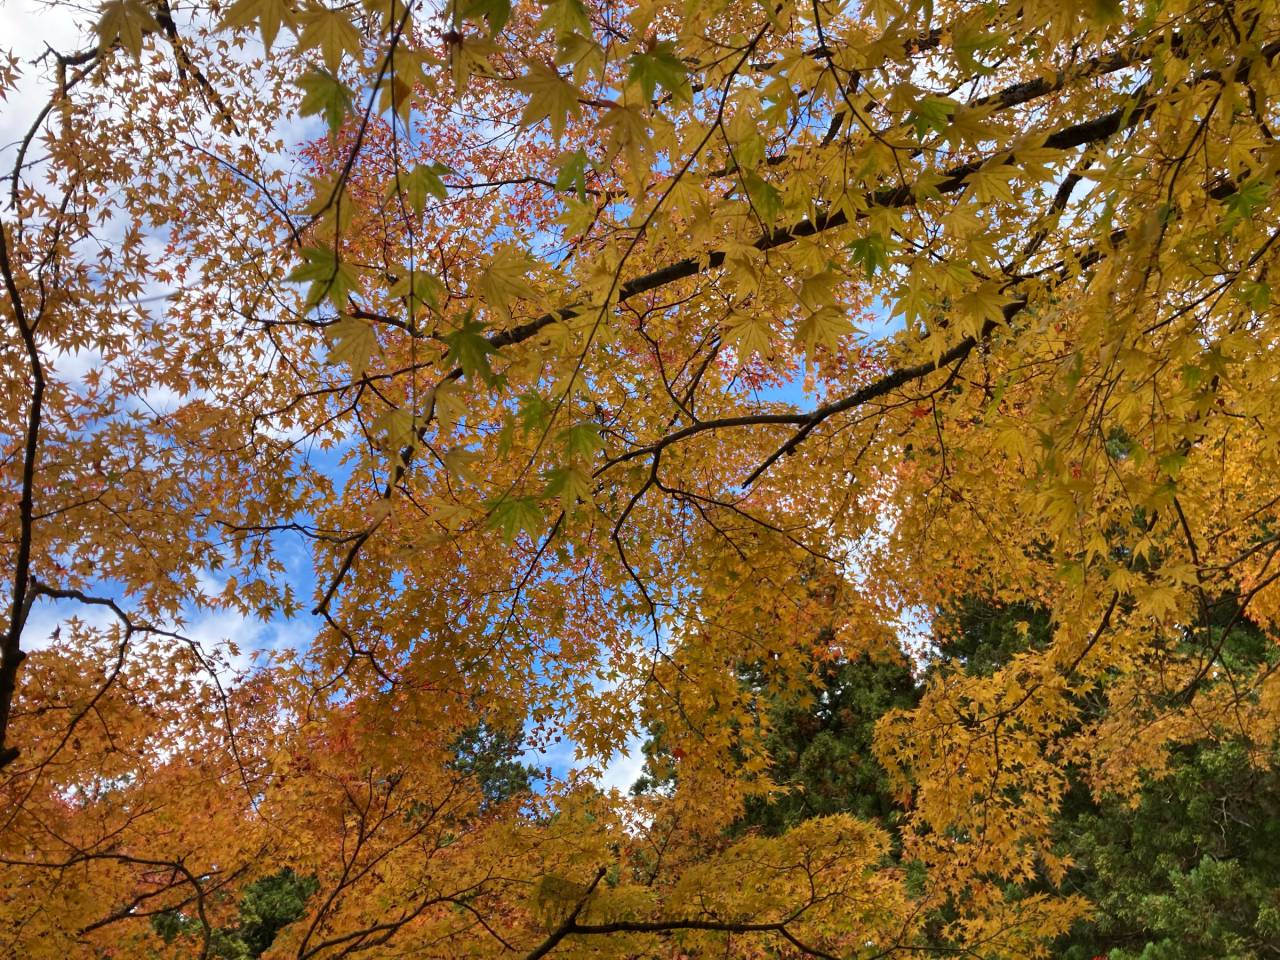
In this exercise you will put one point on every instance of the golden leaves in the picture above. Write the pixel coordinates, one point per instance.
(125, 22)
(982, 305)
(582, 475)
(823, 328)
(752, 335)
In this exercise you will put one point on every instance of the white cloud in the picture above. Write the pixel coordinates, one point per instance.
(71, 366)
(209, 628)
(27, 28)
(623, 768)
(48, 618)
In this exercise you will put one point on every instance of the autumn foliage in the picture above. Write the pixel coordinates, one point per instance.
(541, 379)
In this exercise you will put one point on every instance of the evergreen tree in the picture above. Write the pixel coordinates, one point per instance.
(267, 907)
(491, 756)
(1192, 872)
(821, 745)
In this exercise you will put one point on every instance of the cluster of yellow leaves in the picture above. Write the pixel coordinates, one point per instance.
(555, 368)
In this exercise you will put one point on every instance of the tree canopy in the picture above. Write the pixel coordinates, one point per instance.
(396, 393)
(1187, 871)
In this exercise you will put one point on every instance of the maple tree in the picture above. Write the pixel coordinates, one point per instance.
(531, 361)
(1189, 872)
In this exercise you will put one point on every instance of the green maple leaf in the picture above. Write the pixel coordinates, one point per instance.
(533, 412)
(660, 67)
(325, 94)
(1245, 202)
(419, 288)
(1255, 294)
(496, 13)
(126, 21)
(330, 30)
(469, 349)
(572, 173)
(551, 97)
(985, 304)
(352, 341)
(397, 427)
(750, 335)
(269, 15)
(503, 279)
(424, 180)
(764, 196)
(932, 114)
(582, 439)
(565, 16)
(512, 515)
(971, 41)
(628, 133)
(570, 484)
(823, 327)
(329, 277)
(871, 252)
(1106, 11)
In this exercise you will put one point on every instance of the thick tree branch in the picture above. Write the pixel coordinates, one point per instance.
(571, 927)
(11, 654)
